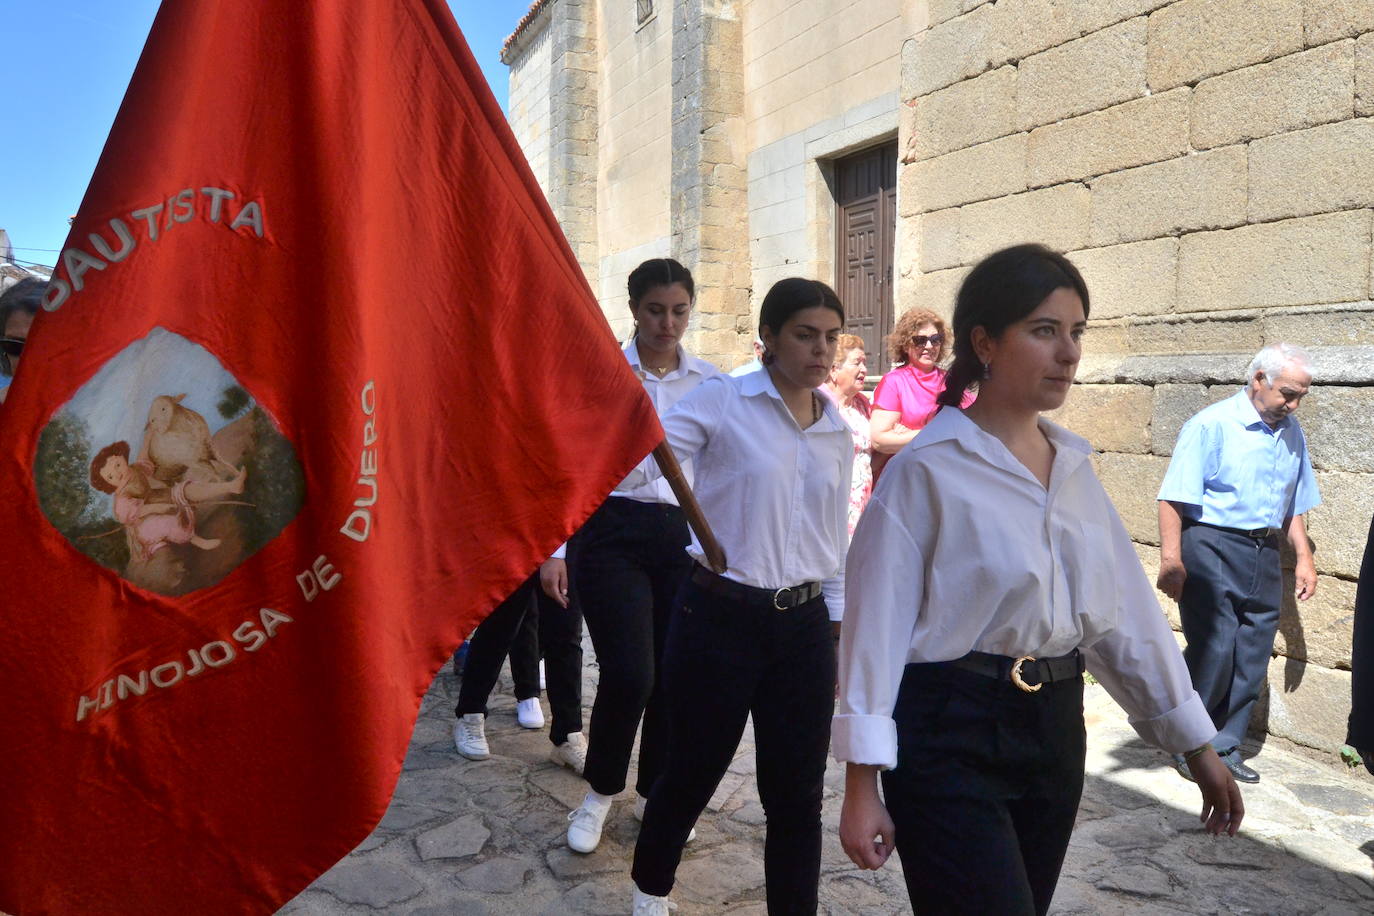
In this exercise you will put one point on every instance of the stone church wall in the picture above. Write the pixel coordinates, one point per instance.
(1207, 164)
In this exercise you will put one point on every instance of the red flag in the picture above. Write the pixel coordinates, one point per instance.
(320, 382)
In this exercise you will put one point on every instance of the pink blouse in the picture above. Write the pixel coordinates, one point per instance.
(912, 392)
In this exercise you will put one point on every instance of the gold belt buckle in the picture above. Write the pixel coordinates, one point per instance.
(1016, 675)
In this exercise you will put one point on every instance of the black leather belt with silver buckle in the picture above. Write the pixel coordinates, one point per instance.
(1258, 534)
(1027, 673)
(781, 599)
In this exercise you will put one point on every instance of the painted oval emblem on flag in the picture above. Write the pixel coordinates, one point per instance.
(164, 469)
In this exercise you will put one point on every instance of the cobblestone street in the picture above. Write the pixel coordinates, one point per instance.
(465, 837)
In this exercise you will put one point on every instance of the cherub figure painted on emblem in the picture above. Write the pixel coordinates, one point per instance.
(164, 469)
(153, 513)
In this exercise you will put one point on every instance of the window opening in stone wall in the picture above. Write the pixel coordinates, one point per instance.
(645, 9)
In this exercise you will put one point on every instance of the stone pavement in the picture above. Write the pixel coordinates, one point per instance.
(465, 837)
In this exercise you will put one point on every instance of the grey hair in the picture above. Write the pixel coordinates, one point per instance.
(1273, 359)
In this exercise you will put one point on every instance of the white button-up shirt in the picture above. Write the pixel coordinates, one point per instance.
(961, 549)
(664, 392)
(776, 495)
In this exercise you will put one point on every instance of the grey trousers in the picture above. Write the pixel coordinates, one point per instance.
(1230, 612)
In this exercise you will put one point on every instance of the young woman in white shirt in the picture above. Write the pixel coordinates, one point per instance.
(628, 562)
(989, 568)
(773, 461)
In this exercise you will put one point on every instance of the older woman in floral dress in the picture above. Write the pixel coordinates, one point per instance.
(845, 387)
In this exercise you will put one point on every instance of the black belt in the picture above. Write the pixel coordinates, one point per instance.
(781, 599)
(1258, 534)
(1025, 672)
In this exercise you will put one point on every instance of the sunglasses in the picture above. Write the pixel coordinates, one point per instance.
(9, 347)
(934, 340)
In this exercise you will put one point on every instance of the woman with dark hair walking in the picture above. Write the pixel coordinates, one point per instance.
(628, 562)
(965, 640)
(773, 463)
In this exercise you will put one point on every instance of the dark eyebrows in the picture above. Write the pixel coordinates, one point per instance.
(1054, 322)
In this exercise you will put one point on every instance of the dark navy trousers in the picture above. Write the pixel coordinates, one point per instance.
(1230, 612)
(985, 791)
(627, 563)
(725, 661)
(557, 638)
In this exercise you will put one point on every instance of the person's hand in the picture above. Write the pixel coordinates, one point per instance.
(866, 829)
(1171, 578)
(553, 578)
(1305, 578)
(1222, 808)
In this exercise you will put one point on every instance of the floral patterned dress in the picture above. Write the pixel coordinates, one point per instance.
(856, 414)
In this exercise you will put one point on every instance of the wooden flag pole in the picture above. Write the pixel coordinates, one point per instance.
(672, 472)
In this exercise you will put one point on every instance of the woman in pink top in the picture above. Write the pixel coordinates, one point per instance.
(905, 399)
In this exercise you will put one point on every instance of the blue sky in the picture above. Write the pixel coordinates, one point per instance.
(64, 67)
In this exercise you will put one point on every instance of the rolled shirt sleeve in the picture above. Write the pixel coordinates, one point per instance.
(884, 577)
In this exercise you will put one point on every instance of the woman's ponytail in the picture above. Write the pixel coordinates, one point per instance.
(964, 372)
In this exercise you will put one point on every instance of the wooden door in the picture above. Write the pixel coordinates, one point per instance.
(866, 227)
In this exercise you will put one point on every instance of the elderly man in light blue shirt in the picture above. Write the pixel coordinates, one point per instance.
(1240, 476)
(755, 364)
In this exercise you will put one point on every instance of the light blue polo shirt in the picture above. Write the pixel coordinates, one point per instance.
(1231, 469)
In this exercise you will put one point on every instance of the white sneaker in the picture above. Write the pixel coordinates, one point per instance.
(571, 753)
(641, 802)
(529, 714)
(649, 905)
(584, 827)
(470, 736)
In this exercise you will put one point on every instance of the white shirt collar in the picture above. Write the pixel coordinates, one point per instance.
(756, 384)
(753, 384)
(686, 362)
(950, 423)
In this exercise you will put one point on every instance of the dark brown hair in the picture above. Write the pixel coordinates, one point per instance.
(791, 295)
(659, 272)
(25, 296)
(120, 449)
(1001, 290)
